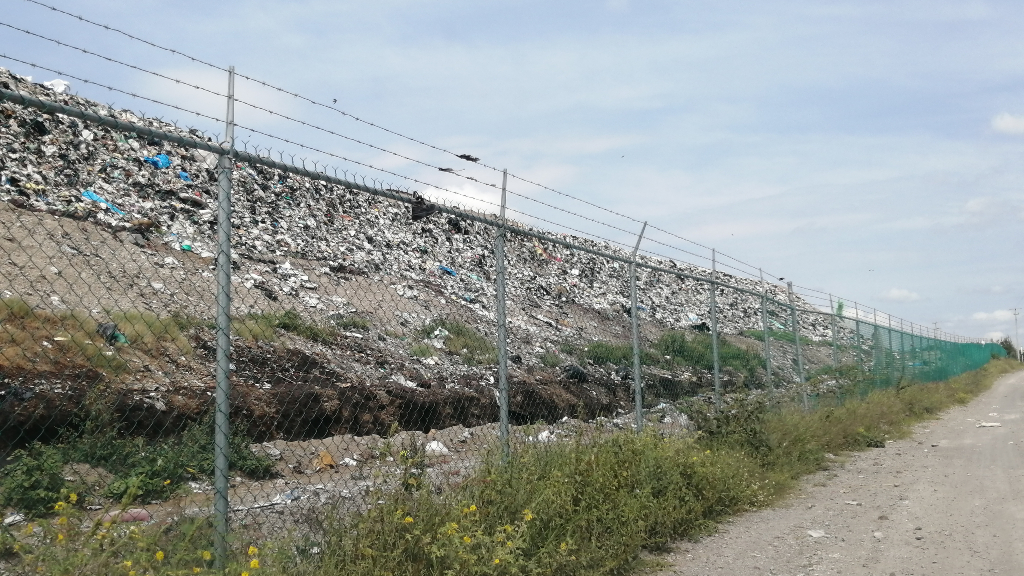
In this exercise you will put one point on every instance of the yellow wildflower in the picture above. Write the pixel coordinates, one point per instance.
(255, 563)
(127, 563)
(245, 574)
(73, 497)
(60, 537)
(408, 520)
(59, 506)
(253, 550)
(196, 570)
(497, 561)
(527, 515)
(159, 555)
(166, 482)
(472, 507)
(467, 539)
(207, 555)
(62, 520)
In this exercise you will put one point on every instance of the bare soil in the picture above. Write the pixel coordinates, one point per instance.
(944, 501)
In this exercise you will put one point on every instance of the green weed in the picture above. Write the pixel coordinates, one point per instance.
(551, 359)
(463, 341)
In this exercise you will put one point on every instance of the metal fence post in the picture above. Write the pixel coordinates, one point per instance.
(221, 433)
(857, 342)
(892, 352)
(764, 330)
(638, 395)
(499, 264)
(796, 340)
(714, 332)
(835, 335)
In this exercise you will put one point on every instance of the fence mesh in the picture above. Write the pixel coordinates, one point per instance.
(364, 323)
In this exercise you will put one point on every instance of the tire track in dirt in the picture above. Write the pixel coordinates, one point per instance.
(944, 501)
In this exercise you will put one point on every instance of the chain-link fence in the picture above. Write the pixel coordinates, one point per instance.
(191, 330)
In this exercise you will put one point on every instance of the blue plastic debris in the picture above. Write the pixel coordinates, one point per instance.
(184, 176)
(447, 270)
(159, 161)
(89, 194)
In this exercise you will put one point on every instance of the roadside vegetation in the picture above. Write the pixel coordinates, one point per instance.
(573, 508)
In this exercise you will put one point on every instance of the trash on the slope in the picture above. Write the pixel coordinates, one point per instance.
(159, 161)
(90, 195)
(192, 199)
(815, 533)
(324, 460)
(447, 270)
(541, 251)
(988, 425)
(130, 515)
(59, 86)
(39, 127)
(184, 176)
(14, 519)
(421, 208)
(111, 334)
(435, 448)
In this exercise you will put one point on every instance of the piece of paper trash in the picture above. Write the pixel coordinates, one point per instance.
(988, 425)
(815, 533)
(59, 86)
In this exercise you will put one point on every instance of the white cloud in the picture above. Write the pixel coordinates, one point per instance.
(998, 315)
(1008, 123)
(901, 295)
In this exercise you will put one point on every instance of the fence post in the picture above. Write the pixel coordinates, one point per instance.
(860, 351)
(796, 340)
(835, 336)
(764, 330)
(634, 313)
(221, 433)
(499, 297)
(714, 332)
(892, 352)
(903, 352)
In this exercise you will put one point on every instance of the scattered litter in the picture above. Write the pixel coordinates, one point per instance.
(853, 503)
(130, 515)
(14, 519)
(160, 161)
(324, 460)
(59, 86)
(435, 448)
(447, 270)
(110, 333)
(988, 425)
(878, 535)
(815, 533)
(90, 195)
(184, 176)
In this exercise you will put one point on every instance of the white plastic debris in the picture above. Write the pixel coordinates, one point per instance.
(988, 425)
(815, 533)
(59, 86)
(435, 448)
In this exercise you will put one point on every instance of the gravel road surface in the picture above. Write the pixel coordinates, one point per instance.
(944, 501)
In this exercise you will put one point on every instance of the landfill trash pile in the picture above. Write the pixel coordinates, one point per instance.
(120, 223)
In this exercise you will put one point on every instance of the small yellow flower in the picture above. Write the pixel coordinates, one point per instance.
(467, 539)
(563, 547)
(166, 482)
(497, 561)
(507, 528)
(472, 508)
(59, 506)
(196, 570)
(131, 573)
(255, 563)
(62, 520)
(206, 555)
(408, 520)
(159, 555)
(527, 515)
(73, 497)
(245, 574)
(253, 550)
(127, 564)
(60, 537)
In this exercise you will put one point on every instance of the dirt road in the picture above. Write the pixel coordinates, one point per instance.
(948, 500)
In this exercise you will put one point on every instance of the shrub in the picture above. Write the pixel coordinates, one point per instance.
(551, 359)
(34, 481)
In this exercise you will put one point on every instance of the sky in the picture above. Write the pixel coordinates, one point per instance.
(871, 150)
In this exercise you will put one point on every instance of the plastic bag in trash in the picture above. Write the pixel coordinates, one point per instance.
(90, 195)
(159, 161)
(184, 176)
(448, 270)
(59, 86)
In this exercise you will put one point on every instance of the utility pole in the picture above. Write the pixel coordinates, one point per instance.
(1016, 331)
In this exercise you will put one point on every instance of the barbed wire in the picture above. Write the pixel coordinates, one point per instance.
(406, 137)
